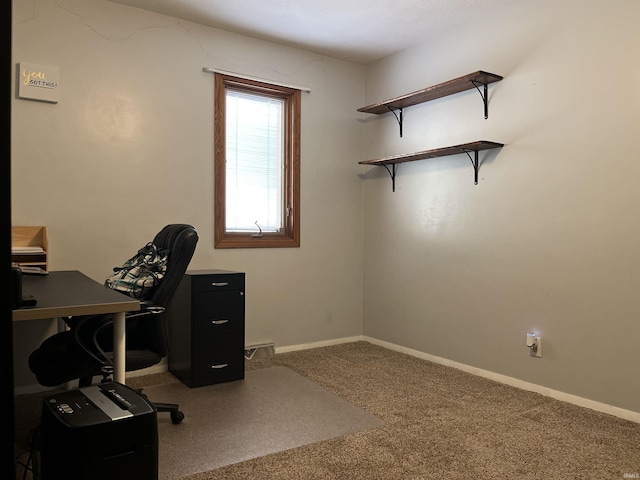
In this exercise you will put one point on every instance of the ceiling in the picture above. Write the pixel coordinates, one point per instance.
(356, 30)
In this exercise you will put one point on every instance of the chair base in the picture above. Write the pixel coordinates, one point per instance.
(174, 411)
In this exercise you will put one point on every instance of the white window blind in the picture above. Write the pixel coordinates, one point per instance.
(255, 163)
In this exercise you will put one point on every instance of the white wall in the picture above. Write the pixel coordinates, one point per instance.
(129, 148)
(548, 239)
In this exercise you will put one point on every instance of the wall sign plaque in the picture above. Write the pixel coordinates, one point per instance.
(38, 82)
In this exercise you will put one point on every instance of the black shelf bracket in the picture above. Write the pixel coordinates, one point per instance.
(397, 112)
(484, 96)
(474, 162)
(392, 174)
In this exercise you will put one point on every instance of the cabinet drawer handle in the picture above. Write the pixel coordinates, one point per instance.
(220, 284)
(219, 322)
(221, 365)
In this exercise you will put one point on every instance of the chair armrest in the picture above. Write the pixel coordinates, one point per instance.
(146, 308)
(85, 332)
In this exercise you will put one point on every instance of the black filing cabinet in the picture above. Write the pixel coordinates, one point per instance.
(206, 328)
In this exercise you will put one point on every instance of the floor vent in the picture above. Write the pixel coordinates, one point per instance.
(259, 352)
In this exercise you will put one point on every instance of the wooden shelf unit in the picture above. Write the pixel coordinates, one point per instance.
(396, 105)
(466, 148)
(457, 85)
(30, 236)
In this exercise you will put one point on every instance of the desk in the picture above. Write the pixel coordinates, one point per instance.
(71, 293)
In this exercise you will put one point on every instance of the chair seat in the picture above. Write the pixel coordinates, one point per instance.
(139, 359)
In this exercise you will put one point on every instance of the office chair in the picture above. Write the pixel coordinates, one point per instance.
(86, 349)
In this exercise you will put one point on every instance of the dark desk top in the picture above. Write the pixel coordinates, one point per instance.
(69, 293)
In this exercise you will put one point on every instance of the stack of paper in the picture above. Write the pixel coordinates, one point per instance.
(26, 250)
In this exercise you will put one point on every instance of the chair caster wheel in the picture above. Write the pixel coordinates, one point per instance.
(177, 417)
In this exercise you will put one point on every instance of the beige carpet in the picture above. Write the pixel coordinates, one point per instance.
(271, 410)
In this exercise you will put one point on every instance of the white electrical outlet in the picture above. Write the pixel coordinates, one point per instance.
(534, 343)
(535, 350)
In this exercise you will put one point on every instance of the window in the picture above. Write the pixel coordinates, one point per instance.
(257, 164)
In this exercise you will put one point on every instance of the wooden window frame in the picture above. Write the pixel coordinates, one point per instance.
(290, 237)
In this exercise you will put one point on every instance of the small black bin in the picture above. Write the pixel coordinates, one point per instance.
(104, 431)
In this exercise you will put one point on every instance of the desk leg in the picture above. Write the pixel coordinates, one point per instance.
(119, 354)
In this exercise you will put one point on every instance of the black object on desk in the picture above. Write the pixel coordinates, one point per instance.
(28, 301)
(18, 300)
(16, 287)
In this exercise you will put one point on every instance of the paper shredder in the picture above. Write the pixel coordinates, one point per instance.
(99, 432)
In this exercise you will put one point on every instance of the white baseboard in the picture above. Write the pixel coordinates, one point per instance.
(324, 343)
(514, 382)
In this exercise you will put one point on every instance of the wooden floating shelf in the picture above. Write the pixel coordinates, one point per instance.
(466, 148)
(435, 153)
(460, 84)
